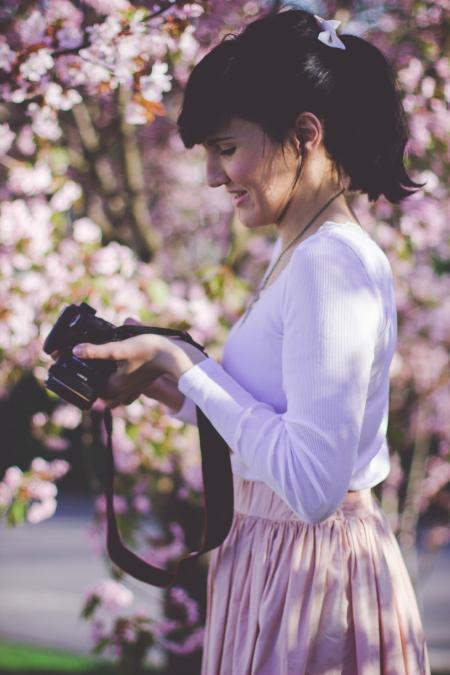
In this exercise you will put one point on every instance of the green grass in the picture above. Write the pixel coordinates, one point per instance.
(22, 659)
(19, 658)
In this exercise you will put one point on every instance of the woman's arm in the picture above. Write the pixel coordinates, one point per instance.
(331, 316)
(188, 410)
(186, 413)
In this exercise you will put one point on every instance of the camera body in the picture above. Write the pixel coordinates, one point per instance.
(76, 380)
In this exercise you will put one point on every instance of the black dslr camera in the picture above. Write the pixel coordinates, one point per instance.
(81, 381)
(76, 380)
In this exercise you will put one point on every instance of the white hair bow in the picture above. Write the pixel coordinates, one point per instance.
(328, 35)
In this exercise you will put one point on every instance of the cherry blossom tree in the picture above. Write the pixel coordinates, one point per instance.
(100, 202)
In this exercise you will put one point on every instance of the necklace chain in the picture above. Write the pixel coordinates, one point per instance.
(296, 238)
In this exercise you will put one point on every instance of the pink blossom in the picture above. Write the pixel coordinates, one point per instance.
(97, 631)
(106, 261)
(444, 447)
(204, 316)
(66, 196)
(126, 462)
(188, 45)
(438, 475)
(420, 133)
(183, 493)
(113, 595)
(442, 66)
(141, 504)
(40, 511)
(7, 56)
(192, 474)
(192, 10)
(67, 416)
(56, 443)
(135, 113)
(32, 29)
(31, 283)
(120, 504)
(85, 231)
(37, 65)
(6, 138)
(103, 34)
(159, 45)
(58, 468)
(20, 323)
(30, 180)
(41, 489)
(428, 362)
(40, 465)
(157, 82)
(39, 419)
(428, 85)
(45, 122)
(128, 48)
(13, 478)
(122, 440)
(163, 555)
(108, 6)
(57, 98)
(63, 11)
(165, 626)
(190, 606)
(135, 411)
(69, 37)
(18, 95)
(25, 142)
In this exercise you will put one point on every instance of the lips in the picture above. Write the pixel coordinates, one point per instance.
(238, 197)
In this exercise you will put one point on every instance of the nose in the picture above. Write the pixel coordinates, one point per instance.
(215, 174)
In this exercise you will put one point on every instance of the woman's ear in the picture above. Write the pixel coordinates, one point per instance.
(308, 131)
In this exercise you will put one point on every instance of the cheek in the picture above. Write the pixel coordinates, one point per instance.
(244, 171)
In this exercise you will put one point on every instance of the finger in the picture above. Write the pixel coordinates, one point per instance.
(129, 321)
(131, 349)
(90, 351)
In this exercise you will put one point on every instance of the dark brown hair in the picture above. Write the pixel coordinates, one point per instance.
(276, 68)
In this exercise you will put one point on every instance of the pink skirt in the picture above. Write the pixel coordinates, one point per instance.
(290, 598)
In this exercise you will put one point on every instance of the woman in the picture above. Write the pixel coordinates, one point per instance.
(310, 579)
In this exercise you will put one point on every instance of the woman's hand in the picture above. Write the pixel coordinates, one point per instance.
(147, 364)
(165, 390)
(125, 388)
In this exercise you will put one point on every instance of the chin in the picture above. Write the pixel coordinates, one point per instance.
(252, 222)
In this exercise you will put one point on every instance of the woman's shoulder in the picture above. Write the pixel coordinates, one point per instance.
(345, 244)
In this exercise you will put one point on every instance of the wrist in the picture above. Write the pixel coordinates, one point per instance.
(176, 362)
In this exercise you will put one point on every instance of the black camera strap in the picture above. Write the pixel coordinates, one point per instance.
(218, 504)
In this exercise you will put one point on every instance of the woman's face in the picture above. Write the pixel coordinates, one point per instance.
(245, 160)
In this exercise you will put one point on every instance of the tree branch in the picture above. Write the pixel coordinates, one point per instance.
(146, 240)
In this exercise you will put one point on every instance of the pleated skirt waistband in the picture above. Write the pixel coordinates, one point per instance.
(256, 499)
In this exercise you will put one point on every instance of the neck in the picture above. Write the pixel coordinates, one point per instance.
(305, 204)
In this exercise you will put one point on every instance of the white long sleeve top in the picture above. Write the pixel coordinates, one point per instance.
(302, 393)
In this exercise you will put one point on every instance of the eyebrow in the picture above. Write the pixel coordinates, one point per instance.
(216, 139)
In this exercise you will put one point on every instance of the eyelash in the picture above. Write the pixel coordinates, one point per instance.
(229, 151)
